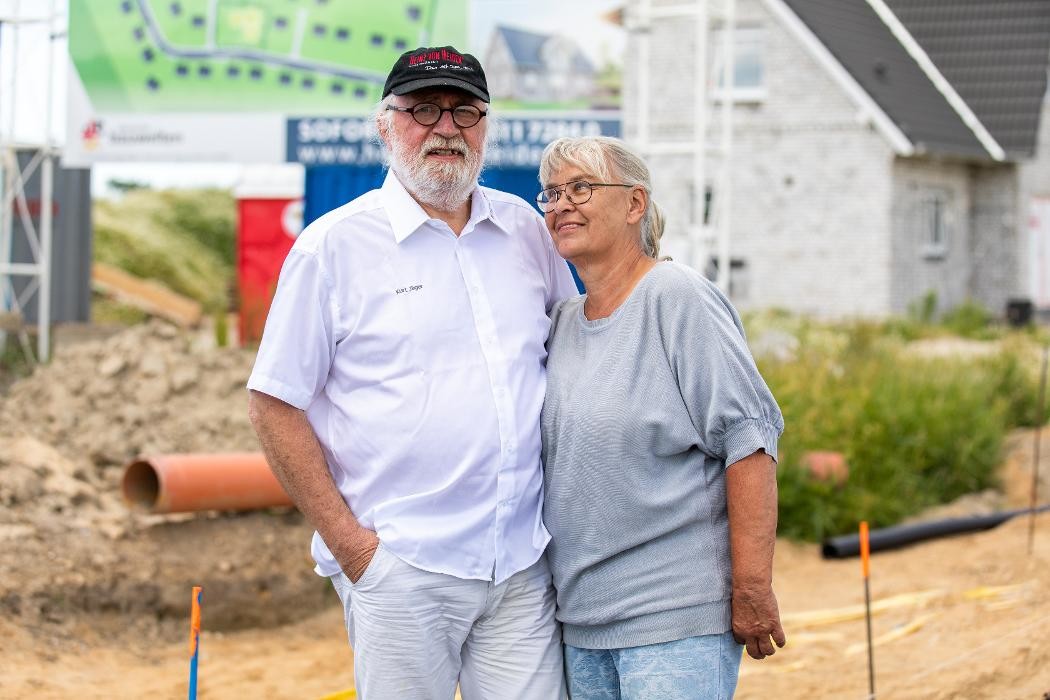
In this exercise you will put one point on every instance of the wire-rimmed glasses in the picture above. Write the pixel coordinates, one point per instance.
(577, 192)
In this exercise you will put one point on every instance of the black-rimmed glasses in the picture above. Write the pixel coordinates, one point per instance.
(577, 192)
(428, 114)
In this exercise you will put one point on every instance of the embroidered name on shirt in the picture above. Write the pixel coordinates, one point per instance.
(413, 288)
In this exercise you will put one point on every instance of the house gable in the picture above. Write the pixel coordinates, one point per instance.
(864, 45)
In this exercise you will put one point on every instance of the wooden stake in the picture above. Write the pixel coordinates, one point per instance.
(865, 562)
(1035, 452)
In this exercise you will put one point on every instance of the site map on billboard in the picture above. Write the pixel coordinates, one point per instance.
(275, 81)
(320, 57)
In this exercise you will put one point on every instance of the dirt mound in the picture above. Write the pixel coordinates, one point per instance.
(71, 426)
(70, 548)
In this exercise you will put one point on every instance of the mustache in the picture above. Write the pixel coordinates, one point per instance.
(446, 143)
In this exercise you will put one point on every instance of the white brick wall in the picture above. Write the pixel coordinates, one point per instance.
(823, 209)
(997, 228)
(916, 269)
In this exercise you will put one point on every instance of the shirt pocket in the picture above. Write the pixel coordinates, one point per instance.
(442, 326)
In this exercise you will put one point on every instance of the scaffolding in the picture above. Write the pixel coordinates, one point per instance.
(20, 161)
(704, 241)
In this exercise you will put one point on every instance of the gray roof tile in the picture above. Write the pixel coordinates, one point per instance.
(865, 47)
(995, 55)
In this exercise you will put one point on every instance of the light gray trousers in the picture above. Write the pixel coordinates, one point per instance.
(415, 634)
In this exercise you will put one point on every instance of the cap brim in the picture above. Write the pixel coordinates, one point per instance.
(413, 85)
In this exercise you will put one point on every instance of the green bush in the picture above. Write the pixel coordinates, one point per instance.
(916, 431)
(969, 320)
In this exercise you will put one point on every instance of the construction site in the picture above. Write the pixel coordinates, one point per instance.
(95, 595)
(131, 312)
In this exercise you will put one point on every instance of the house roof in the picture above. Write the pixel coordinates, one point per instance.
(525, 49)
(865, 46)
(994, 54)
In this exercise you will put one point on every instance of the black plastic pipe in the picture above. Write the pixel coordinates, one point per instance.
(900, 535)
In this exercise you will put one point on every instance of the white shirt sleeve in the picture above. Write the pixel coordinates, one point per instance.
(298, 343)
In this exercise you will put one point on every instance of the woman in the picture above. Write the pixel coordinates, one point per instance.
(659, 437)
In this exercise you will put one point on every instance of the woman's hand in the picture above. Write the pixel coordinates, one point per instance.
(756, 620)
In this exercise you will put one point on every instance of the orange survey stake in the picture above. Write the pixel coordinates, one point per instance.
(195, 620)
(865, 551)
(195, 636)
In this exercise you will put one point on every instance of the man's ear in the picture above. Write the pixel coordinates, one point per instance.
(382, 125)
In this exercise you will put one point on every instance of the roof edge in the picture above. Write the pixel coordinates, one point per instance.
(901, 144)
(926, 64)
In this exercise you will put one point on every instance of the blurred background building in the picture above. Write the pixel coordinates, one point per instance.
(880, 151)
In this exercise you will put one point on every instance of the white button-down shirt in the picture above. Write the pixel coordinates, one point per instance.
(419, 359)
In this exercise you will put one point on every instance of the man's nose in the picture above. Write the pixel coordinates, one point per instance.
(445, 125)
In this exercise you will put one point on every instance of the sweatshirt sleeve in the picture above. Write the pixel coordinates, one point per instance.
(730, 405)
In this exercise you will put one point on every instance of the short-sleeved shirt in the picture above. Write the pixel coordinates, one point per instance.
(645, 409)
(419, 359)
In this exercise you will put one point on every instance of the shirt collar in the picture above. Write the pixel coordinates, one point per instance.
(406, 216)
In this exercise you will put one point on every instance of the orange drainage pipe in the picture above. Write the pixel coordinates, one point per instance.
(181, 483)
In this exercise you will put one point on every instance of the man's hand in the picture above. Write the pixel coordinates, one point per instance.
(756, 618)
(357, 560)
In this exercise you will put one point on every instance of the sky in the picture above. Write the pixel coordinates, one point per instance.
(602, 39)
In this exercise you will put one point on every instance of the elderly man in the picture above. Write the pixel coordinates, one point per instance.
(397, 394)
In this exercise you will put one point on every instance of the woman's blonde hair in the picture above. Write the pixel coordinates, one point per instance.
(609, 160)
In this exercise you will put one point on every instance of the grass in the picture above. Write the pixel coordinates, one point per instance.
(916, 431)
(184, 239)
(14, 364)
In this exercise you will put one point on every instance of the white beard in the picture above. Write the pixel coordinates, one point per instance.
(443, 186)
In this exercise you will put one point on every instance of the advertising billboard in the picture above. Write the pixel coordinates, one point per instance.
(295, 80)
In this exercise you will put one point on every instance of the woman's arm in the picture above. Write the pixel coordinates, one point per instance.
(751, 496)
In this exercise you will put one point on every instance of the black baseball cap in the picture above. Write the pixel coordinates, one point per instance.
(441, 66)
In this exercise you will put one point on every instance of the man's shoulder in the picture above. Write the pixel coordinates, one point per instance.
(361, 210)
(506, 201)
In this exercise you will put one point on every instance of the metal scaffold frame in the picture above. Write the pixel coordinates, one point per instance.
(13, 179)
(705, 14)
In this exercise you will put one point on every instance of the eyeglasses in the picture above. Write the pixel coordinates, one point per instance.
(578, 192)
(428, 114)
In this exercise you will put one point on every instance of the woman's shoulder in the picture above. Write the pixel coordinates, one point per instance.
(673, 281)
(680, 292)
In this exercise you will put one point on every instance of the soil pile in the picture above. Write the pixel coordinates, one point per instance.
(72, 551)
(70, 427)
